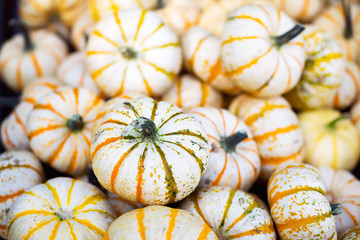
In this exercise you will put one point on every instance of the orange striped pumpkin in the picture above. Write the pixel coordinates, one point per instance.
(275, 128)
(352, 233)
(188, 92)
(298, 204)
(234, 159)
(61, 208)
(232, 214)
(19, 170)
(304, 11)
(201, 52)
(133, 51)
(324, 71)
(149, 152)
(262, 51)
(81, 31)
(60, 126)
(13, 127)
(332, 20)
(331, 140)
(73, 72)
(344, 188)
(159, 222)
(22, 62)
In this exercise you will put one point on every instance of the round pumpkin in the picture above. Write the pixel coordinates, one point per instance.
(73, 72)
(61, 208)
(201, 51)
(24, 58)
(331, 140)
(19, 170)
(188, 92)
(298, 204)
(149, 152)
(275, 128)
(234, 159)
(159, 222)
(232, 214)
(324, 71)
(81, 30)
(342, 187)
(304, 11)
(352, 233)
(262, 51)
(133, 51)
(60, 126)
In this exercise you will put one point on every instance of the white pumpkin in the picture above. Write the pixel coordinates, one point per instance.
(304, 10)
(352, 233)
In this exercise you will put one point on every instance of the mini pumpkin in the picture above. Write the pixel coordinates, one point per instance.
(304, 11)
(262, 51)
(163, 150)
(188, 92)
(352, 233)
(81, 31)
(275, 128)
(298, 204)
(234, 159)
(331, 140)
(61, 208)
(25, 57)
(343, 187)
(159, 222)
(133, 51)
(60, 126)
(232, 214)
(19, 170)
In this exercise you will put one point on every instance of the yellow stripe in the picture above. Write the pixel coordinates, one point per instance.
(141, 21)
(54, 231)
(170, 75)
(172, 222)
(91, 226)
(250, 18)
(89, 53)
(233, 39)
(162, 46)
(140, 220)
(54, 193)
(152, 33)
(98, 72)
(37, 227)
(204, 232)
(71, 230)
(89, 200)
(70, 191)
(28, 212)
(99, 34)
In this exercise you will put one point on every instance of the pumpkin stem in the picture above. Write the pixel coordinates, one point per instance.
(160, 4)
(286, 37)
(64, 214)
(142, 128)
(348, 32)
(25, 32)
(336, 209)
(128, 53)
(229, 143)
(331, 125)
(75, 123)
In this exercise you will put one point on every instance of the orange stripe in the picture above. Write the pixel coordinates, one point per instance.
(139, 177)
(353, 218)
(52, 159)
(118, 22)
(215, 124)
(233, 39)
(106, 237)
(172, 222)
(92, 199)
(191, 61)
(141, 21)
(140, 220)
(305, 8)
(204, 232)
(37, 227)
(90, 226)
(332, 19)
(36, 64)
(7, 139)
(89, 53)
(250, 162)
(100, 35)
(204, 94)
(238, 185)
(249, 209)
(71, 231)
(279, 159)
(258, 230)
(98, 72)
(281, 194)
(50, 108)
(106, 142)
(215, 71)
(178, 91)
(353, 78)
(21, 166)
(42, 130)
(54, 231)
(218, 178)
(273, 134)
(73, 161)
(5, 198)
(18, 75)
(194, 199)
(18, 120)
(147, 85)
(251, 18)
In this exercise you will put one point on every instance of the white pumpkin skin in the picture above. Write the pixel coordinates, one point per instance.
(139, 55)
(159, 222)
(251, 56)
(61, 208)
(304, 11)
(19, 66)
(344, 188)
(81, 30)
(232, 214)
(19, 170)
(237, 168)
(162, 167)
(298, 204)
(352, 233)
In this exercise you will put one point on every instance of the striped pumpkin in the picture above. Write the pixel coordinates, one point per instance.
(73, 72)
(149, 152)
(60, 126)
(331, 140)
(22, 62)
(61, 208)
(352, 233)
(234, 160)
(344, 188)
(259, 51)
(133, 51)
(324, 71)
(159, 222)
(201, 52)
(81, 31)
(332, 20)
(232, 214)
(13, 127)
(349, 89)
(275, 129)
(19, 170)
(304, 11)
(188, 92)
(298, 204)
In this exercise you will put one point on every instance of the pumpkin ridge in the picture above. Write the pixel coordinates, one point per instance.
(17, 216)
(42, 130)
(185, 132)
(70, 191)
(171, 117)
(204, 232)
(132, 108)
(152, 33)
(53, 193)
(280, 159)
(72, 233)
(33, 230)
(104, 143)
(53, 158)
(153, 113)
(20, 166)
(54, 231)
(218, 178)
(4, 198)
(268, 228)
(250, 208)
(273, 134)
(90, 200)
(100, 35)
(244, 16)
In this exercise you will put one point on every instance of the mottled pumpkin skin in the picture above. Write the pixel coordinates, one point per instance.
(61, 208)
(298, 204)
(159, 222)
(19, 170)
(352, 233)
(232, 214)
(153, 170)
(344, 188)
(304, 11)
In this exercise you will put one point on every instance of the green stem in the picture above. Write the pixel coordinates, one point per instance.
(142, 128)
(75, 123)
(331, 125)
(229, 143)
(25, 32)
(128, 53)
(336, 209)
(348, 32)
(286, 37)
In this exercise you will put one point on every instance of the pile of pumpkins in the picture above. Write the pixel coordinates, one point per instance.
(179, 107)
